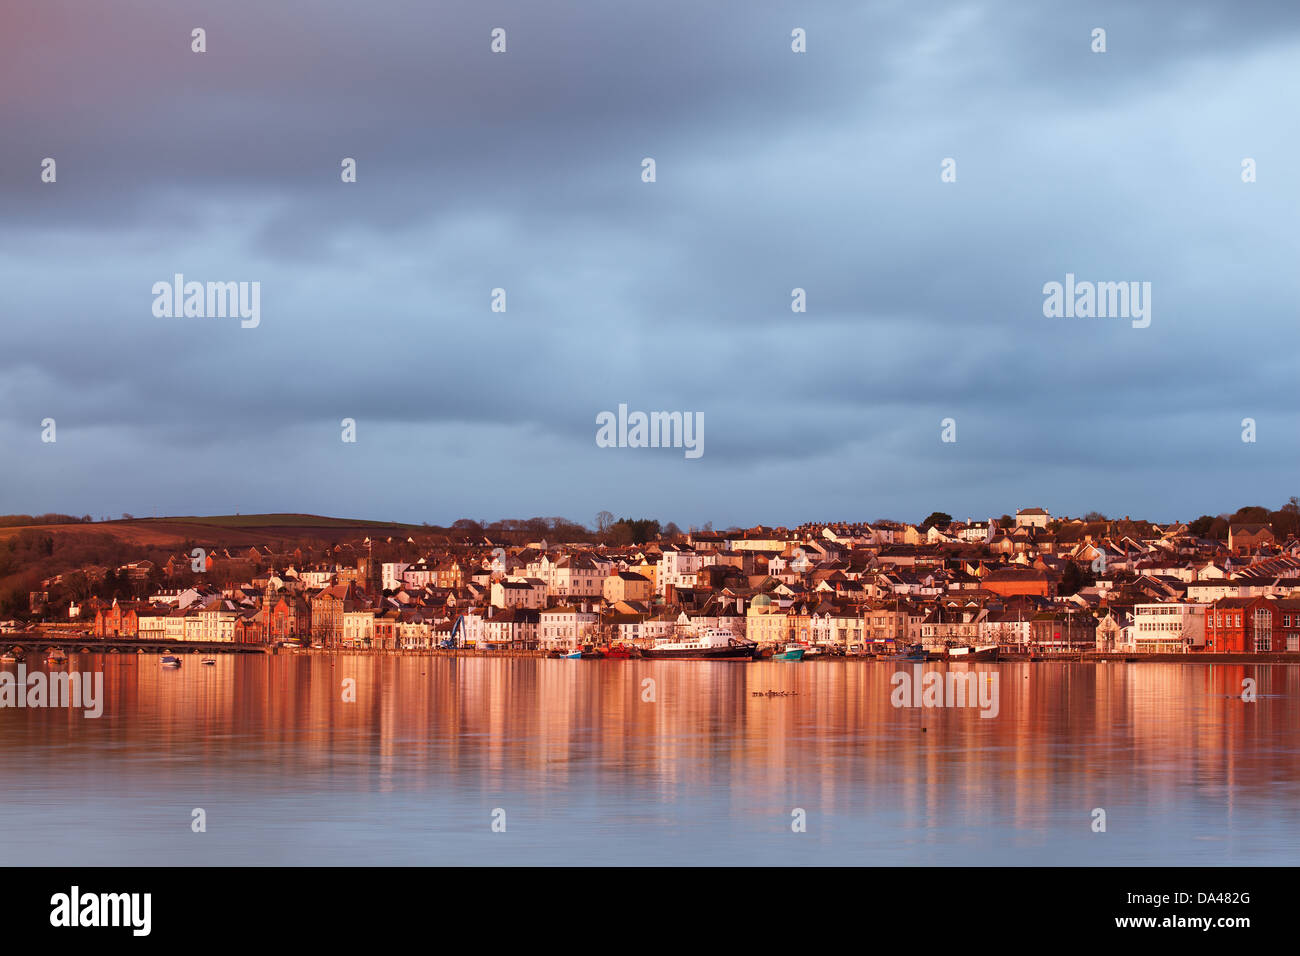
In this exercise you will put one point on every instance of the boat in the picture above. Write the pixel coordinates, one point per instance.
(912, 652)
(56, 656)
(715, 644)
(208, 660)
(792, 652)
(620, 652)
(171, 661)
(973, 652)
(571, 656)
(812, 651)
(8, 657)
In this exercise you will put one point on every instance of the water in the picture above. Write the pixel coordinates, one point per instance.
(587, 772)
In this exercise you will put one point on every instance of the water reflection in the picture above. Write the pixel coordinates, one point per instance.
(589, 772)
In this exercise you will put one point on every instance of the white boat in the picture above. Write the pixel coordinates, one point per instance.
(715, 644)
(973, 652)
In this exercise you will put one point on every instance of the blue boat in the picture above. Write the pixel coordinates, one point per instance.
(575, 656)
(170, 661)
(792, 652)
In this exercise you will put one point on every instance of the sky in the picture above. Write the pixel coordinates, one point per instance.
(522, 171)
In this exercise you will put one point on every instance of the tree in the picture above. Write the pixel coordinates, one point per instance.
(1094, 516)
(1074, 577)
(603, 520)
(934, 518)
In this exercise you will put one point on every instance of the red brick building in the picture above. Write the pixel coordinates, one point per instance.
(1252, 625)
(117, 620)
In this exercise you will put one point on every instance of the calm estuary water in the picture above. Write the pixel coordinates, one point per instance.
(589, 773)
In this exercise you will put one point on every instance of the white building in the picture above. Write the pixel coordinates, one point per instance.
(678, 567)
(390, 574)
(1168, 628)
(1032, 518)
(564, 627)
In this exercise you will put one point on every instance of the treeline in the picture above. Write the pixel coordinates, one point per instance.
(31, 555)
(15, 521)
(624, 531)
(1284, 521)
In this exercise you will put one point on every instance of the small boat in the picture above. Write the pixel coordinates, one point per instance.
(8, 657)
(56, 656)
(571, 656)
(208, 660)
(792, 652)
(914, 652)
(973, 652)
(620, 652)
(171, 661)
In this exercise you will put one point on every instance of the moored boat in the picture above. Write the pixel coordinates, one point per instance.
(621, 652)
(714, 644)
(208, 660)
(8, 657)
(973, 652)
(571, 656)
(56, 656)
(171, 661)
(913, 652)
(792, 652)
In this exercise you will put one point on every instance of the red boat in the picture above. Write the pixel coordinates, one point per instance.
(621, 652)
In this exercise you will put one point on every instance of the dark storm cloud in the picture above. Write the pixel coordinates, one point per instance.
(522, 171)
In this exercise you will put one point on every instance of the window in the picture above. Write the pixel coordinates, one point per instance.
(1263, 629)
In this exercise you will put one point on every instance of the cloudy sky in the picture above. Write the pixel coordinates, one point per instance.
(522, 171)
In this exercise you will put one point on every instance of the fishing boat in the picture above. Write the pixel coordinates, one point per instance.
(973, 652)
(621, 652)
(792, 652)
(56, 656)
(715, 644)
(812, 651)
(571, 656)
(912, 652)
(171, 661)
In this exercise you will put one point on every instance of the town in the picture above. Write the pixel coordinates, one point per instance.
(1017, 587)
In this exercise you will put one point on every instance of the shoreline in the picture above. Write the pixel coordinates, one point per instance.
(34, 642)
